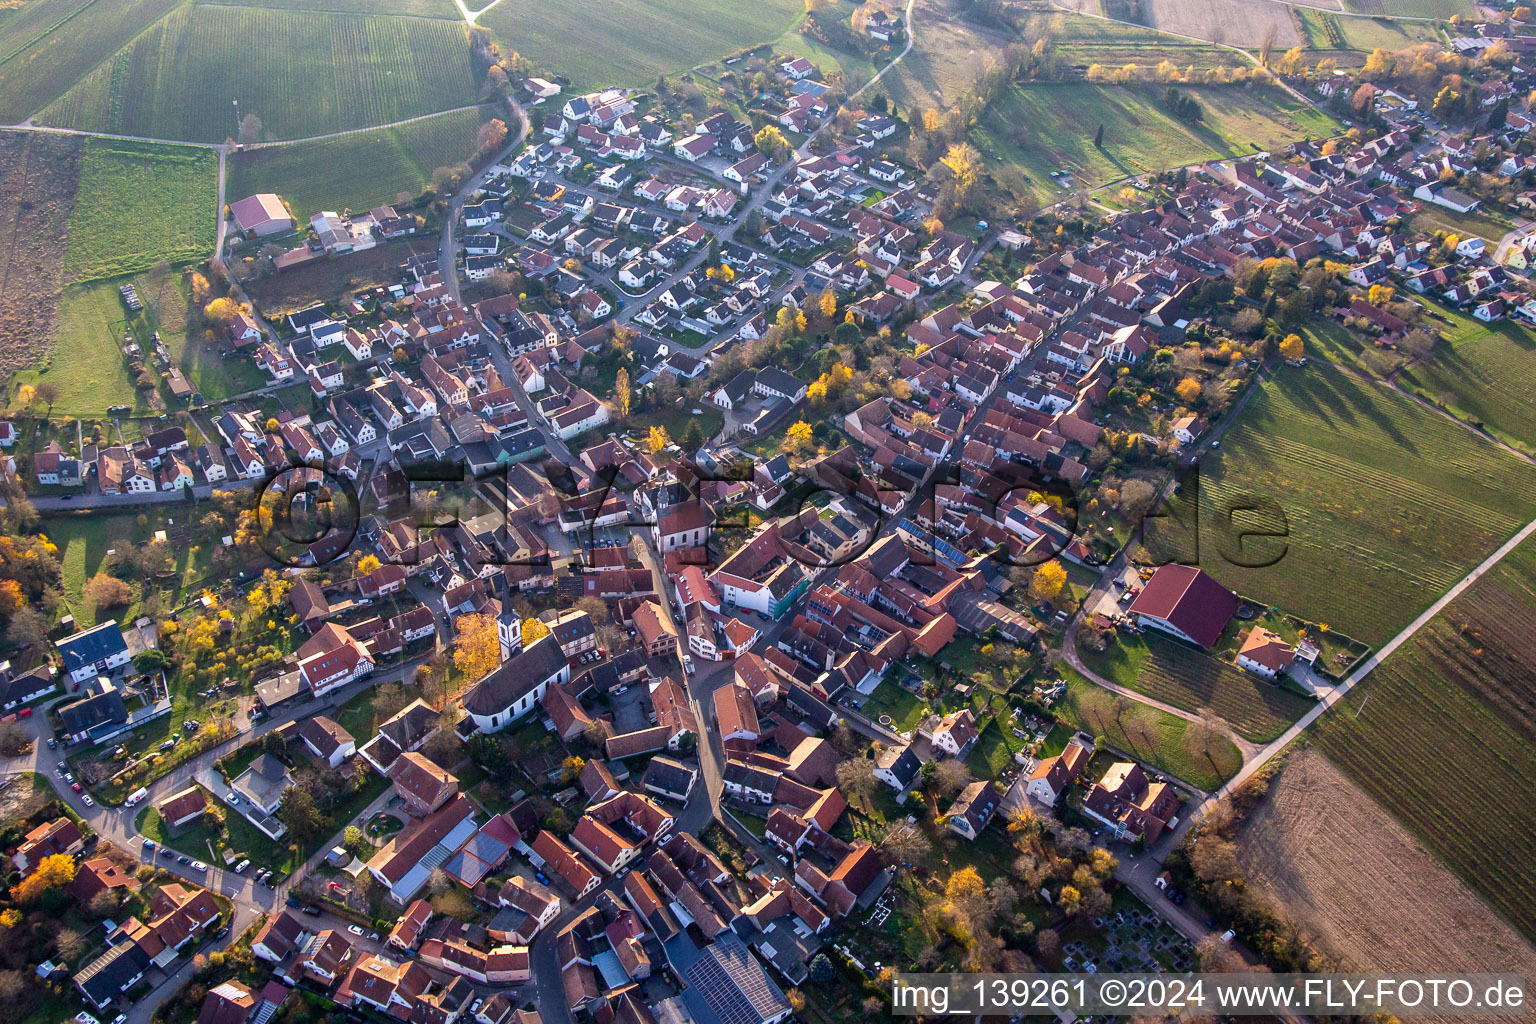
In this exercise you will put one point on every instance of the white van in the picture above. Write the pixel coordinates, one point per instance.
(135, 797)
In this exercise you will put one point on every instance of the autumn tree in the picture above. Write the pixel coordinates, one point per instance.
(367, 564)
(799, 437)
(1292, 347)
(963, 163)
(771, 142)
(621, 395)
(1048, 580)
(657, 440)
(54, 872)
(103, 591)
(533, 629)
(476, 647)
(493, 135)
(828, 304)
(967, 904)
(221, 310)
(1188, 390)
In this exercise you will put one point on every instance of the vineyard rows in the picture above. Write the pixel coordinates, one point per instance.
(1442, 735)
(1387, 503)
(300, 74)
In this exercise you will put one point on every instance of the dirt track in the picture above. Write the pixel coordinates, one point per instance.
(1338, 862)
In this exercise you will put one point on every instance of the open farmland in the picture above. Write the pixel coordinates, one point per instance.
(1442, 735)
(1175, 674)
(46, 46)
(42, 170)
(411, 8)
(357, 171)
(1387, 503)
(139, 204)
(1043, 128)
(950, 50)
(630, 42)
(1483, 376)
(1234, 22)
(1338, 862)
(1439, 9)
(1082, 41)
(301, 74)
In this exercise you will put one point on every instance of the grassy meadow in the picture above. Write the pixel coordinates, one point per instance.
(140, 204)
(1483, 376)
(1442, 735)
(302, 74)
(1387, 504)
(1176, 674)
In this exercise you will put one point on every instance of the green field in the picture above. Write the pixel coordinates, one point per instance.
(85, 363)
(301, 74)
(46, 46)
(1043, 128)
(140, 204)
(630, 42)
(1387, 503)
(1442, 735)
(1483, 376)
(1173, 673)
(1153, 736)
(357, 171)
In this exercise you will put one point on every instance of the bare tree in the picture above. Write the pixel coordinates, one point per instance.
(856, 778)
(250, 129)
(950, 777)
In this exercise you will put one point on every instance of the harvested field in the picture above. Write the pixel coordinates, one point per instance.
(1338, 862)
(301, 74)
(1082, 41)
(325, 280)
(38, 177)
(1248, 23)
(411, 8)
(1443, 732)
(1386, 503)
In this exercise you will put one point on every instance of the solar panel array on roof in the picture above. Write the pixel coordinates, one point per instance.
(733, 985)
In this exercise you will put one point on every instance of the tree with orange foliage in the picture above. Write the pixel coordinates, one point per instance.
(54, 872)
(476, 648)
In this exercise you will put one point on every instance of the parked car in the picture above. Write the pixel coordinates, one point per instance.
(149, 844)
(355, 930)
(198, 865)
(240, 868)
(76, 787)
(52, 743)
(86, 799)
(311, 910)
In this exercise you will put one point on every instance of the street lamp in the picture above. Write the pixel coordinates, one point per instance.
(237, 119)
